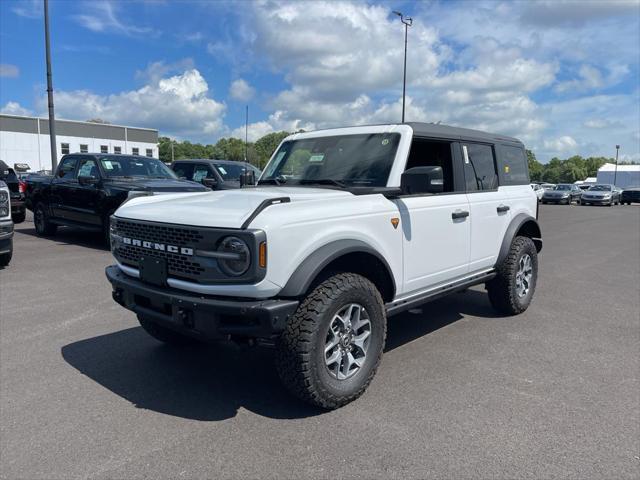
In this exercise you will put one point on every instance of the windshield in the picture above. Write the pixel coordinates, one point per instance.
(563, 187)
(135, 166)
(601, 188)
(231, 171)
(362, 160)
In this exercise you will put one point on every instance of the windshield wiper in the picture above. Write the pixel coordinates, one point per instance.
(323, 181)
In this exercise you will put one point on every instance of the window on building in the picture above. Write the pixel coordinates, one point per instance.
(117, 150)
(104, 148)
(480, 167)
(65, 148)
(135, 151)
(84, 148)
(149, 152)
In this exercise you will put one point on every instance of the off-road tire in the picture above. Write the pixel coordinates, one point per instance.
(5, 259)
(43, 227)
(165, 335)
(19, 217)
(300, 348)
(502, 288)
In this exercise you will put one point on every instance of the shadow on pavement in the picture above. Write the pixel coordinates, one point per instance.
(70, 236)
(211, 382)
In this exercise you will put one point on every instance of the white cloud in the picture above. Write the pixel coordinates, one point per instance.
(8, 70)
(179, 105)
(28, 9)
(104, 17)
(562, 144)
(240, 90)
(14, 108)
(157, 70)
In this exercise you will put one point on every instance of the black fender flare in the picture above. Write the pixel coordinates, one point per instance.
(301, 279)
(519, 221)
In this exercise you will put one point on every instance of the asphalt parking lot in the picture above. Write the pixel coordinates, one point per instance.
(461, 393)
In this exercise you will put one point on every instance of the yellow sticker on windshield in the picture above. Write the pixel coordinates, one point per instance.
(506, 169)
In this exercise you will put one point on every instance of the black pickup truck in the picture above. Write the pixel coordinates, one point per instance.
(8, 176)
(87, 188)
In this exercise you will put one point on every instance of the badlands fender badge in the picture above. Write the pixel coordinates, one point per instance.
(395, 221)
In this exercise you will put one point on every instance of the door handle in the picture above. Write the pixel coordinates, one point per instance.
(459, 214)
(503, 208)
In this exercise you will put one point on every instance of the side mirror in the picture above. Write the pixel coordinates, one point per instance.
(210, 182)
(418, 180)
(88, 180)
(248, 177)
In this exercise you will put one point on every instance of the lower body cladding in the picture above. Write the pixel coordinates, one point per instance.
(206, 318)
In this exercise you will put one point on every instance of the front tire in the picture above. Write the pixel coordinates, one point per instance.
(165, 335)
(331, 348)
(19, 217)
(5, 259)
(511, 291)
(41, 221)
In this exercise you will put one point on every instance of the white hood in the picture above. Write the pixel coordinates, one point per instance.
(224, 208)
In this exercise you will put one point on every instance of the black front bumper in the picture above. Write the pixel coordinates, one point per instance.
(205, 317)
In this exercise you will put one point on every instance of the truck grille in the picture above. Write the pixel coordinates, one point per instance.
(181, 266)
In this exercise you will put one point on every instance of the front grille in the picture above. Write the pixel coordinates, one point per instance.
(180, 266)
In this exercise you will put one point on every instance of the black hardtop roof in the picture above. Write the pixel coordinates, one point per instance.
(421, 129)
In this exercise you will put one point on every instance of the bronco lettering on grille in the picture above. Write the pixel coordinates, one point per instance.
(157, 246)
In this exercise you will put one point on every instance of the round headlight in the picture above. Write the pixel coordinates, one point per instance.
(236, 258)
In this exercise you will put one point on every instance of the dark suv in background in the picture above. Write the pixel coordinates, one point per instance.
(215, 174)
(8, 176)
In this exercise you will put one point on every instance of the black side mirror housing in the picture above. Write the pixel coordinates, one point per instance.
(419, 180)
(248, 177)
(210, 182)
(88, 180)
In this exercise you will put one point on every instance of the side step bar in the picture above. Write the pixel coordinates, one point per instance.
(393, 308)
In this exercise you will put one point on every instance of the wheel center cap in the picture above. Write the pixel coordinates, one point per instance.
(345, 341)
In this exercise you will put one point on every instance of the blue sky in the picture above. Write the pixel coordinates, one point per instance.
(561, 75)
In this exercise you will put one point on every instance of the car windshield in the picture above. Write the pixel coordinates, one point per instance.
(362, 160)
(231, 171)
(601, 188)
(563, 187)
(134, 166)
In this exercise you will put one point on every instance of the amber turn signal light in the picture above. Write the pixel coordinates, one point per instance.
(262, 255)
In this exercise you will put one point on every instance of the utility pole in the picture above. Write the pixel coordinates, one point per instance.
(52, 116)
(408, 21)
(246, 132)
(615, 172)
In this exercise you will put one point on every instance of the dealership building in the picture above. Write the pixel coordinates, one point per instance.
(622, 176)
(25, 140)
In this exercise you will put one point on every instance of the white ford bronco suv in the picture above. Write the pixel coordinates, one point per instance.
(345, 228)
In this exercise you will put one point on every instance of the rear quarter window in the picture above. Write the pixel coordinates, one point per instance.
(512, 165)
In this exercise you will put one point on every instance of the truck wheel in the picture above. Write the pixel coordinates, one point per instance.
(331, 348)
(165, 335)
(511, 291)
(19, 217)
(5, 259)
(41, 222)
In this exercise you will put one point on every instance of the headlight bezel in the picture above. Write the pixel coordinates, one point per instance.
(234, 245)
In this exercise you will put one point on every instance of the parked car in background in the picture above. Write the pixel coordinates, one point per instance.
(215, 174)
(88, 188)
(601, 194)
(630, 195)
(6, 225)
(548, 186)
(16, 191)
(562, 193)
(539, 191)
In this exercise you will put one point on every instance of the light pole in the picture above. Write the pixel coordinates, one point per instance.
(408, 21)
(52, 116)
(615, 172)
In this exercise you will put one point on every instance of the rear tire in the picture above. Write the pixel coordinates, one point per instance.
(19, 217)
(325, 355)
(165, 335)
(511, 291)
(44, 228)
(5, 259)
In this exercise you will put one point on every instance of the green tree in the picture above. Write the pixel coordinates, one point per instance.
(535, 167)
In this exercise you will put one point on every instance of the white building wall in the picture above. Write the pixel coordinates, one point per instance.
(35, 150)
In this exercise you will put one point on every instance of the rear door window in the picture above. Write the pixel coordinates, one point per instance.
(512, 165)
